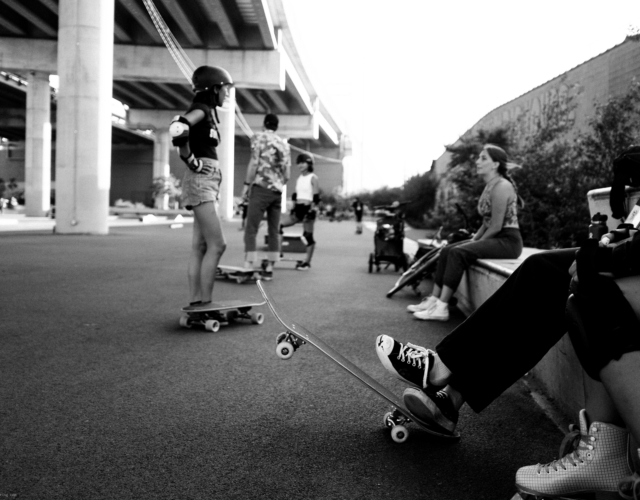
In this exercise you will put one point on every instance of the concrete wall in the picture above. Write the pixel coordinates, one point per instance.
(605, 75)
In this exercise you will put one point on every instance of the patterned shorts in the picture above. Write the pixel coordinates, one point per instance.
(199, 188)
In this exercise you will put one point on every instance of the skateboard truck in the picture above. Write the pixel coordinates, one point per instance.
(396, 421)
(287, 344)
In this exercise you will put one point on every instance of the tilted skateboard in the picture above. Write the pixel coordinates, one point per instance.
(239, 274)
(221, 313)
(296, 336)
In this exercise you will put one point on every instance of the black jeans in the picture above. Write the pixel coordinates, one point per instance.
(512, 331)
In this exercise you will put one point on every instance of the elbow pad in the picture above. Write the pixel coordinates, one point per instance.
(316, 198)
(179, 131)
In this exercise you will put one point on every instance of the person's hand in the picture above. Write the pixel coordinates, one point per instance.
(196, 165)
(245, 194)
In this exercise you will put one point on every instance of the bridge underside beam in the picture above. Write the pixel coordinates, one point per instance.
(249, 68)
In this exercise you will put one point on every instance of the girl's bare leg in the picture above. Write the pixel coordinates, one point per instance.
(208, 245)
(621, 379)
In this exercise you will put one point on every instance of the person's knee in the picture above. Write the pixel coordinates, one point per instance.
(598, 337)
(308, 236)
(199, 247)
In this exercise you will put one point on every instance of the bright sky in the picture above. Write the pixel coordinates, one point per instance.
(409, 76)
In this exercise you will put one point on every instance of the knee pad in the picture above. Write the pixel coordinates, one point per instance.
(601, 324)
(309, 237)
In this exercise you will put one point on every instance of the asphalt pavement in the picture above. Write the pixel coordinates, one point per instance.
(104, 396)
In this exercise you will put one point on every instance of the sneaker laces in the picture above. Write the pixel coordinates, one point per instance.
(414, 355)
(573, 458)
(629, 487)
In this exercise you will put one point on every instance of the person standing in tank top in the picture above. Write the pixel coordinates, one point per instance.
(306, 197)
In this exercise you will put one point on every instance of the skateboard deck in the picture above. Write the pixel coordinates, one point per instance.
(283, 259)
(221, 313)
(296, 335)
(237, 273)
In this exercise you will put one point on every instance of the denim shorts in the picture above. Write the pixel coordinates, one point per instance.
(199, 188)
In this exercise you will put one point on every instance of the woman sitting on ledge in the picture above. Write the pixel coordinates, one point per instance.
(498, 237)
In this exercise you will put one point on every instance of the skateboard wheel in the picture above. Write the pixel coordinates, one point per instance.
(212, 325)
(399, 433)
(257, 318)
(184, 321)
(240, 280)
(284, 350)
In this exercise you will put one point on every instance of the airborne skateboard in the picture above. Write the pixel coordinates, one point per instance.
(239, 274)
(221, 313)
(296, 336)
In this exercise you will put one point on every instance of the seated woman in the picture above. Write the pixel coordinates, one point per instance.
(511, 332)
(498, 237)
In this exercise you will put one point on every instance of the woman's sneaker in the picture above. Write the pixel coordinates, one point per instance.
(408, 362)
(426, 304)
(432, 406)
(303, 266)
(438, 312)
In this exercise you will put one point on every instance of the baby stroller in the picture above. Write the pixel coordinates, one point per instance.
(388, 239)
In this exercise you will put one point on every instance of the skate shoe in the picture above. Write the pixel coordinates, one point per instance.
(426, 304)
(598, 464)
(303, 266)
(408, 362)
(438, 312)
(432, 406)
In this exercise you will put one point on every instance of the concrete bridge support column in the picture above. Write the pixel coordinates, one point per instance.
(226, 155)
(83, 145)
(38, 146)
(161, 168)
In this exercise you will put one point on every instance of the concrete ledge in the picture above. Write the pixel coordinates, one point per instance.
(559, 373)
(483, 278)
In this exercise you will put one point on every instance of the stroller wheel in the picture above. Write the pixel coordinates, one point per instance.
(370, 262)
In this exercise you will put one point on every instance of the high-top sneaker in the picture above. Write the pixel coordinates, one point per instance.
(408, 362)
(598, 464)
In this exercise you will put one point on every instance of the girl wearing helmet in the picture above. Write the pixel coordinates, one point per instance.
(196, 135)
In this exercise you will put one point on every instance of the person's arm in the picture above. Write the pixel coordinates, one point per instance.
(478, 234)
(179, 131)
(316, 189)
(251, 170)
(287, 163)
(500, 196)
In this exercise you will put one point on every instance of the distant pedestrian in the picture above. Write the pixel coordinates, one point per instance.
(358, 210)
(3, 188)
(267, 174)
